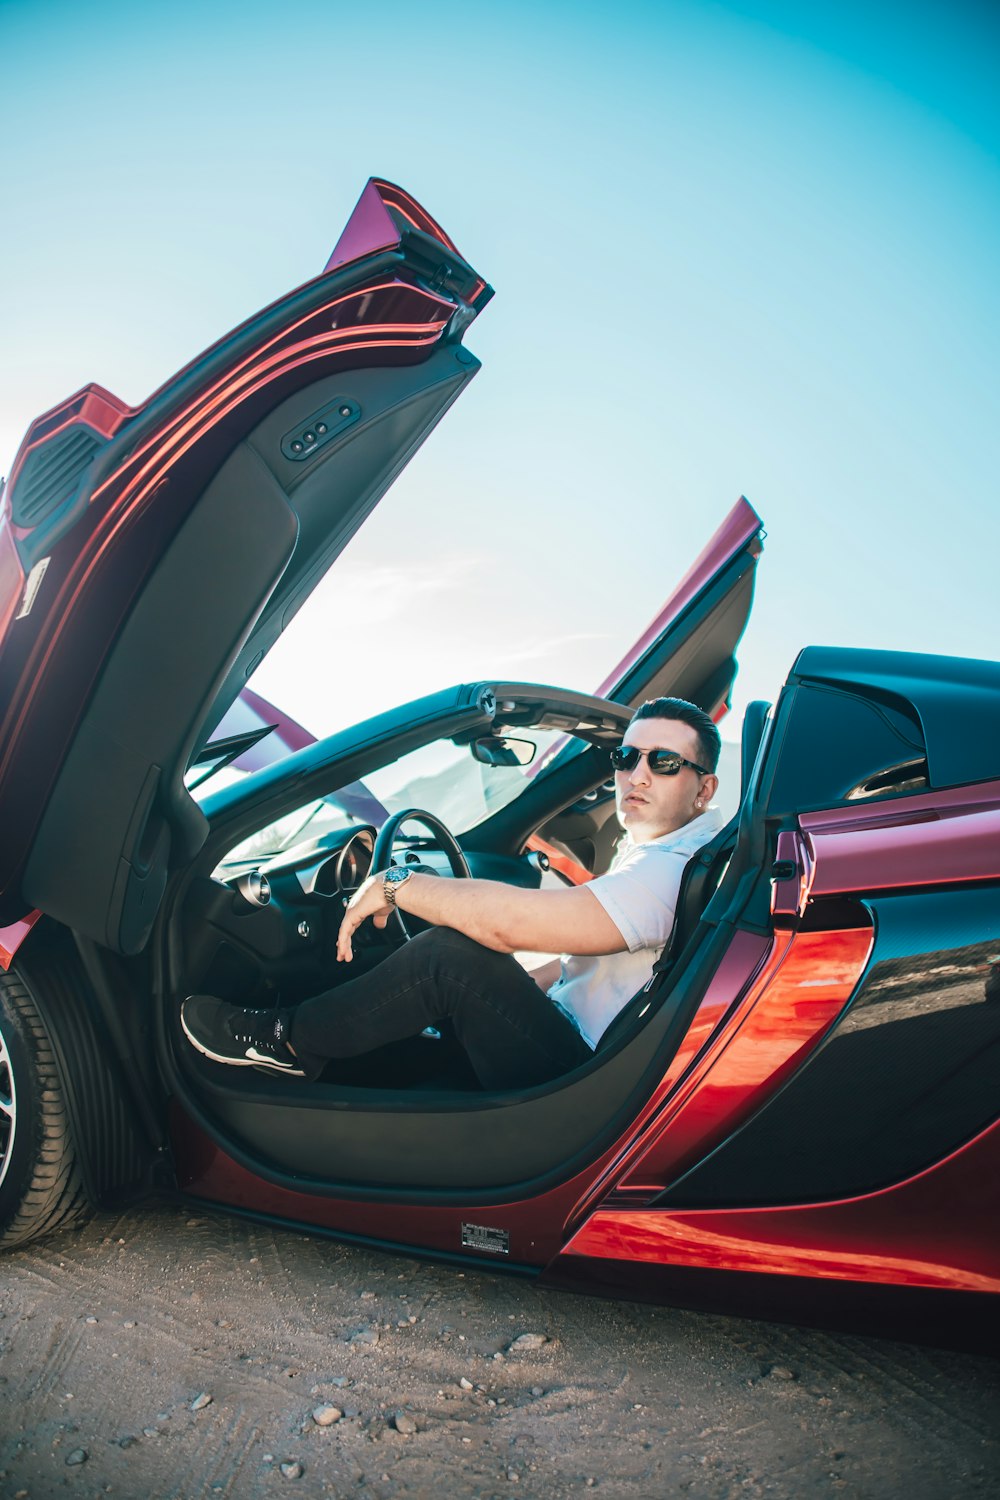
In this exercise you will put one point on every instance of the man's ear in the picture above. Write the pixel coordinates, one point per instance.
(709, 787)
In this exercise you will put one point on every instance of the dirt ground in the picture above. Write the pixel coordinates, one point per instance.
(169, 1355)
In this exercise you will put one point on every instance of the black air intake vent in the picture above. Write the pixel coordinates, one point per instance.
(51, 474)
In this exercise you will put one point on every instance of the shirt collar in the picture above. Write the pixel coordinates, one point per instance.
(693, 834)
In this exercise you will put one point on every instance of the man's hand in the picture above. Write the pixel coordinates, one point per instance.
(368, 901)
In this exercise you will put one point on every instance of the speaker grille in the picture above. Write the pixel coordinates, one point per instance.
(51, 474)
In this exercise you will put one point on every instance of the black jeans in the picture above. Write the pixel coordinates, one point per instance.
(511, 1032)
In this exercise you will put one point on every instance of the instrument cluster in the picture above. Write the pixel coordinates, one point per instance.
(341, 872)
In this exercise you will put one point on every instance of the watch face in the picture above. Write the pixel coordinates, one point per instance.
(395, 875)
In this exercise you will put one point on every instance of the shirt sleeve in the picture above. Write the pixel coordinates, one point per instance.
(640, 896)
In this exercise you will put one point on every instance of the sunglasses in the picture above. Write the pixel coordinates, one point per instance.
(660, 762)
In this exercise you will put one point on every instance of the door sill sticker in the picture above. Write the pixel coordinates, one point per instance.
(31, 587)
(480, 1237)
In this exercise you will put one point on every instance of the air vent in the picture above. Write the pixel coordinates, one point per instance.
(910, 776)
(51, 474)
(593, 798)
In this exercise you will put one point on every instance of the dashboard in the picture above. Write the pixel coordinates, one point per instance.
(337, 873)
(271, 928)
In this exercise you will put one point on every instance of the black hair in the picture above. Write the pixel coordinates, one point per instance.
(709, 739)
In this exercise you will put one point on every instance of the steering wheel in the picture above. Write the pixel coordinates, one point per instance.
(447, 842)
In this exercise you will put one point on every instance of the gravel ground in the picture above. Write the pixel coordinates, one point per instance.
(169, 1355)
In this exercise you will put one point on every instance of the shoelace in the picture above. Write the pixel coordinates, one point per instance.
(250, 1038)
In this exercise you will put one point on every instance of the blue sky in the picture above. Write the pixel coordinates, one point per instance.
(737, 247)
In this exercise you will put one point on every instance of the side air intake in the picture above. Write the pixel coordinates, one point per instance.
(49, 476)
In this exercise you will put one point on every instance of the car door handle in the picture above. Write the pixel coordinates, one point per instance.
(791, 877)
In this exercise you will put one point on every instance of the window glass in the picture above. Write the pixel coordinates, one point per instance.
(839, 745)
(440, 778)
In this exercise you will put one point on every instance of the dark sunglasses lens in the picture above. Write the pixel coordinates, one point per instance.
(661, 762)
(665, 762)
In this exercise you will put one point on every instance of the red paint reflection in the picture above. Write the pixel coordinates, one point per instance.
(809, 979)
(938, 1229)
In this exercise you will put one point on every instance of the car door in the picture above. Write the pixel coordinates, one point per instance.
(689, 649)
(839, 1115)
(150, 557)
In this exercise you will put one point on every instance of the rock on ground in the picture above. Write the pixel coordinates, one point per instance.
(281, 1330)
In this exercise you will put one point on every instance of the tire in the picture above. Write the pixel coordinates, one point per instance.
(41, 1189)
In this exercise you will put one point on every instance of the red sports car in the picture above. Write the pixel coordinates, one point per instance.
(797, 1117)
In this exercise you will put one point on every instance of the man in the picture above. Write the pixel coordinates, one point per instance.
(517, 1029)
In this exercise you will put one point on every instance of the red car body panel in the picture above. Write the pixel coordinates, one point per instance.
(371, 228)
(803, 986)
(939, 1229)
(938, 838)
(13, 936)
(535, 1225)
(92, 406)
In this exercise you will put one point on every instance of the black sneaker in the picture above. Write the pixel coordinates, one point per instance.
(243, 1038)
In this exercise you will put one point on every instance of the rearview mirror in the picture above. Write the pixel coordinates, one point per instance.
(496, 750)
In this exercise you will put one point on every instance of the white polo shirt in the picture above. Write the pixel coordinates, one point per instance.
(639, 894)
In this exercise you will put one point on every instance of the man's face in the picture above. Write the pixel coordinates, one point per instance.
(650, 806)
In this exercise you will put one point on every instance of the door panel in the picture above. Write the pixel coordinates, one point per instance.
(906, 1236)
(104, 875)
(906, 1075)
(179, 539)
(802, 987)
(688, 651)
(940, 838)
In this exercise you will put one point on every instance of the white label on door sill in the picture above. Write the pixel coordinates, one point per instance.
(31, 588)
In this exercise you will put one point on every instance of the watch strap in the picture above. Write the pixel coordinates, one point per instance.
(390, 880)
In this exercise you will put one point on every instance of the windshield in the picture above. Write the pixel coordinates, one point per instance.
(440, 778)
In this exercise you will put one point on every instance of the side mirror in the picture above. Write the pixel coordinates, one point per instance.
(495, 750)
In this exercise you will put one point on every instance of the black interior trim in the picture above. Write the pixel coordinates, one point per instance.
(119, 802)
(430, 1147)
(251, 548)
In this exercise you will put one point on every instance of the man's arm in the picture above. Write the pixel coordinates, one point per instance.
(503, 917)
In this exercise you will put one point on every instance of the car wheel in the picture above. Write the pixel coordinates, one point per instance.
(41, 1189)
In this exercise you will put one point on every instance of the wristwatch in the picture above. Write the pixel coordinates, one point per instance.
(390, 880)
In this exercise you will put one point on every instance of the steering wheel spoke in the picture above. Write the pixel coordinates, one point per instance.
(382, 855)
